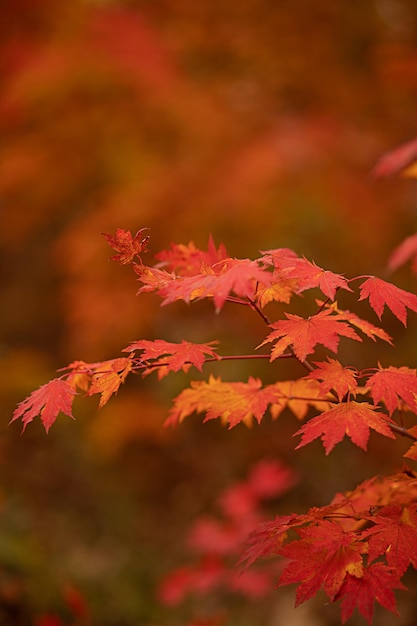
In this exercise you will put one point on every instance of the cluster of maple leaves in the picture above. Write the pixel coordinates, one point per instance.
(359, 546)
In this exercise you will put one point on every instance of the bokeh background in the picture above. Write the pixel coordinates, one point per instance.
(256, 121)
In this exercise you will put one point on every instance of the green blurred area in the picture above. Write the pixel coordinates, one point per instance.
(256, 121)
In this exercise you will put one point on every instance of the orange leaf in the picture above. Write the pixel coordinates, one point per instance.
(187, 260)
(334, 376)
(108, 377)
(304, 334)
(232, 402)
(238, 276)
(346, 418)
(298, 396)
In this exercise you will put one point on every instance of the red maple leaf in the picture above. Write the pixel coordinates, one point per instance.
(306, 274)
(396, 160)
(394, 534)
(392, 384)
(382, 293)
(346, 418)
(187, 260)
(368, 329)
(126, 245)
(376, 584)
(165, 355)
(406, 251)
(310, 275)
(238, 276)
(412, 451)
(268, 537)
(232, 402)
(47, 401)
(334, 376)
(153, 279)
(304, 334)
(322, 558)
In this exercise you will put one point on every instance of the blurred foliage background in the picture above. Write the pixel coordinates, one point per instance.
(256, 121)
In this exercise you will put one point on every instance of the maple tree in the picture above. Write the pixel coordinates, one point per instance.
(358, 547)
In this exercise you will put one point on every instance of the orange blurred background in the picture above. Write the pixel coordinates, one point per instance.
(256, 121)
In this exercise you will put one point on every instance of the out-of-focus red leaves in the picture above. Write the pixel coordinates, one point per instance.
(397, 161)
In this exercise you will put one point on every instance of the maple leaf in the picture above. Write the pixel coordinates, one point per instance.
(298, 396)
(322, 558)
(310, 275)
(382, 293)
(280, 290)
(47, 401)
(304, 334)
(396, 160)
(240, 276)
(406, 251)
(376, 584)
(268, 537)
(346, 418)
(165, 355)
(108, 377)
(79, 375)
(412, 451)
(282, 259)
(368, 329)
(187, 260)
(394, 534)
(126, 245)
(232, 402)
(306, 274)
(334, 376)
(392, 384)
(152, 278)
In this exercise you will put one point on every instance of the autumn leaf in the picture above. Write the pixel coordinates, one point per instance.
(238, 276)
(394, 534)
(310, 275)
(127, 246)
(393, 384)
(334, 376)
(346, 418)
(153, 279)
(322, 558)
(382, 293)
(412, 451)
(108, 377)
(187, 260)
(269, 537)
(368, 329)
(298, 396)
(164, 355)
(280, 290)
(406, 251)
(376, 584)
(232, 402)
(396, 160)
(47, 401)
(304, 334)
(306, 274)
